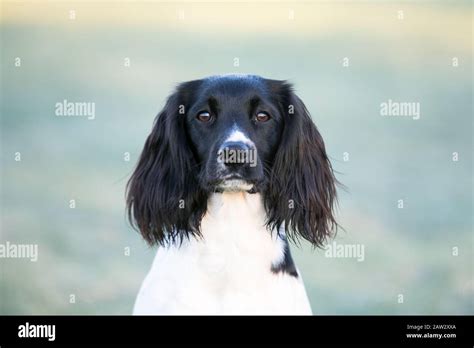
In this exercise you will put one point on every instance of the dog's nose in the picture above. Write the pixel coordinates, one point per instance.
(234, 154)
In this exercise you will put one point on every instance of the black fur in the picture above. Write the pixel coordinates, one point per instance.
(287, 265)
(301, 194)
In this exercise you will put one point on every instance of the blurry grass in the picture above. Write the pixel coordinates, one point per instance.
(82, 250)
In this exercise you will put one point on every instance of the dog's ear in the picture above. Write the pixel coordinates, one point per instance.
(164, 201)
(301, 194)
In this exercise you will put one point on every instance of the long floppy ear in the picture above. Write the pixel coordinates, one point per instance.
(164, 200)
(301, 194)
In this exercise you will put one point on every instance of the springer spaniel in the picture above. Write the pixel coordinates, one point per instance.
(234, 167)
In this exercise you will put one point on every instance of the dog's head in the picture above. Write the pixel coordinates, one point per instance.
(238, 133)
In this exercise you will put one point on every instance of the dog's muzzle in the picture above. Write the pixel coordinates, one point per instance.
(235, 162)
(233, 157)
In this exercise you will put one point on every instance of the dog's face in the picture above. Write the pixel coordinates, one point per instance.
(226, 133)
(234, 126)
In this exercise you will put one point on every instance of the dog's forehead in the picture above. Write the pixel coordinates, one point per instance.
(234, 85)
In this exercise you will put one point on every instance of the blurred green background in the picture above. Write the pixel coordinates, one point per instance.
(81, 55)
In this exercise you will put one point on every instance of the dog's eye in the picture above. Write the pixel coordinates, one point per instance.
(204, 116)
(262, 116)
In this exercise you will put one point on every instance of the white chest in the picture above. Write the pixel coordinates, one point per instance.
(226, 272)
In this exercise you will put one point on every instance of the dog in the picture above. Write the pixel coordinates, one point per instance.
(233, 169)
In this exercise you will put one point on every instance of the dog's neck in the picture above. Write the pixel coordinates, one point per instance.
(235, 206)
(235, 222)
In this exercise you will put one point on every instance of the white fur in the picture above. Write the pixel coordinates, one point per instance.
(226, 272)
(236, 135)
(235, 185)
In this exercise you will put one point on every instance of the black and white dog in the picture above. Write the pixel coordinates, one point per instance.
(233, 168)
